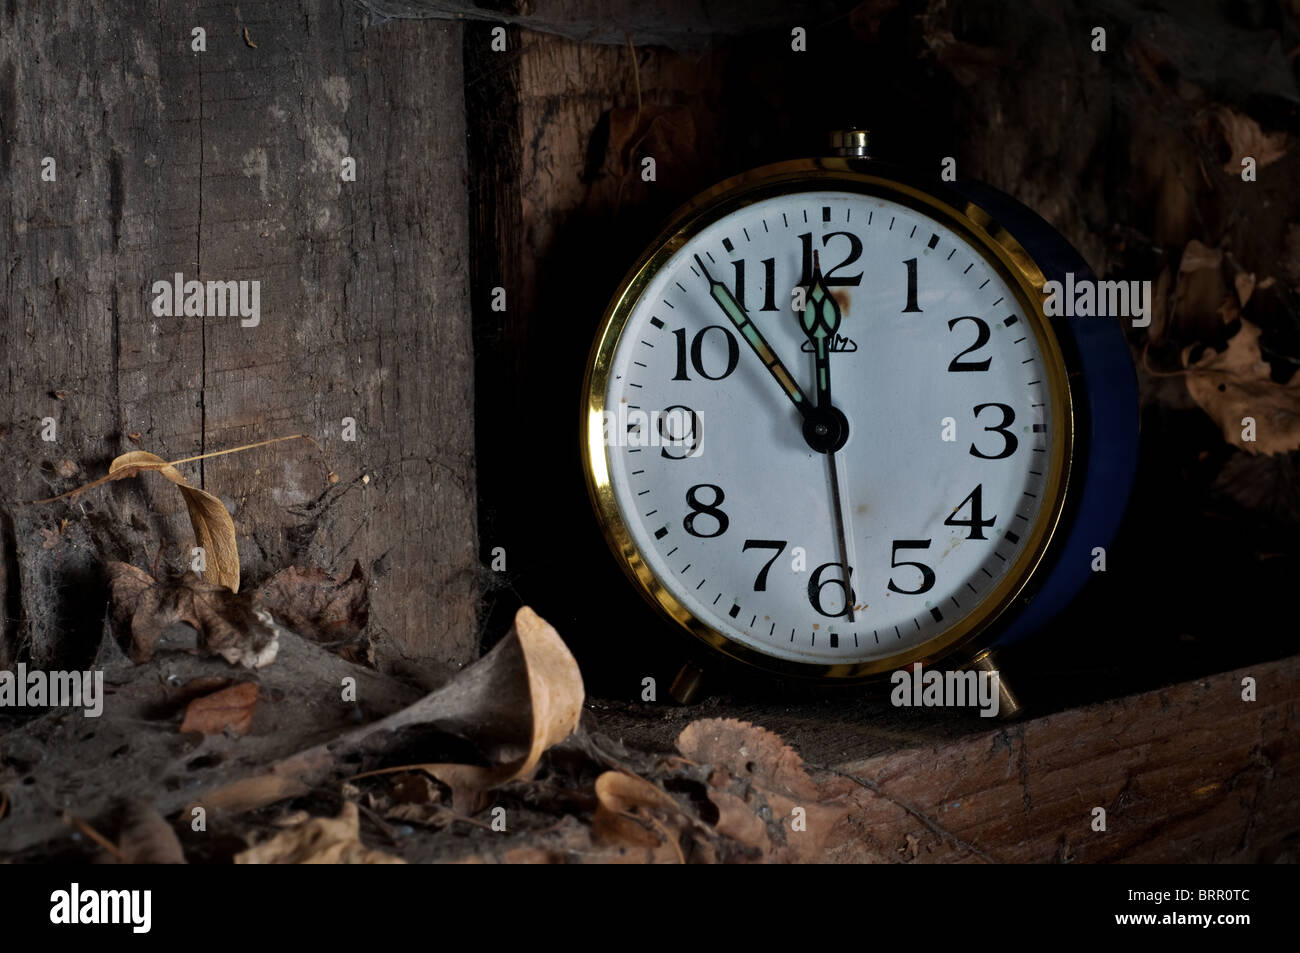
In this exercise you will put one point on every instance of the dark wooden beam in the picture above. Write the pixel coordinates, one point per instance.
(227, 164)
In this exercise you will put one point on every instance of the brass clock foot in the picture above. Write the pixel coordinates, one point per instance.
(1009, 707)
(688, 685)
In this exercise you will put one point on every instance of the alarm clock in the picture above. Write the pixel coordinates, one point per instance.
(829, 432)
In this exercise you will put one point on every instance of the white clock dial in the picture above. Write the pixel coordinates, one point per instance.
(943, 480)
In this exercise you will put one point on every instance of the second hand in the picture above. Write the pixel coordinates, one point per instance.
(838, 477)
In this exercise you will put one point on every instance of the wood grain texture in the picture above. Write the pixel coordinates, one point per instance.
(225, 165)
(1191, 773)
(103, 99)
(1187, 773)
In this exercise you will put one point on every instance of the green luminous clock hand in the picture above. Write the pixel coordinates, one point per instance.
(820, 320)
(749, 331)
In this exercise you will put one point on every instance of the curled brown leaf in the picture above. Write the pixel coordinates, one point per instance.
(1236, 384)
(327, 608)
(228, 709)
(227, 623)
(214, 530)
(1246, 139)
(523, 698)
(635, 812)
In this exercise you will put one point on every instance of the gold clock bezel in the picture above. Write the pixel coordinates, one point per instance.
(976, 227)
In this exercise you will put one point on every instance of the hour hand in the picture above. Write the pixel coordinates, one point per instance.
(820, 320)
(749, 331)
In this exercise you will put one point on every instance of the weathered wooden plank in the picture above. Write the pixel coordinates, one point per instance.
(224, 165)
(1188, 773)
(99, 96)
(364, 308)
(1191, 773)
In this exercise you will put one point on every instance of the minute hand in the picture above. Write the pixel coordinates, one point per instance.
(749, 331)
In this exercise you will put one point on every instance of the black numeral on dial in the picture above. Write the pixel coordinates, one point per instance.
(769, 284)
(981, 338)
(1009, 441)
(927, 574)
(911, 287)
(976, 523)
(829, 277)
(697, 353)
(816, 584)
(760, 581)
(679, 428)
(710, 509)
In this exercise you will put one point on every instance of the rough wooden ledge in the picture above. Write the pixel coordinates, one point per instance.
(1188, 773)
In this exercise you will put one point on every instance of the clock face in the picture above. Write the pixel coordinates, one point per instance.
(827, 431)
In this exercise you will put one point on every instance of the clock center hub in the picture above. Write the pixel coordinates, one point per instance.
(826, 429)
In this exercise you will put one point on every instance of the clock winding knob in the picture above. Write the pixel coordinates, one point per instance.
(850, 143)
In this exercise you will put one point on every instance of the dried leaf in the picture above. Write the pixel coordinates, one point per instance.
(214, 530)
(229, 709)
(1198, 294)
(227, 623)
(518, 700)
(146, 838)
(1244, 284)
(1270, 486)
(1197, 256)
(414, 788)
(757, 762)
(1235, 384)
(1245, 138)
(253, 792)
(623, 793)
(548, 696)
(912, 847)
(747, 751)
(318, 605)
(321, 840)
(634, 812)
(737, 820)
